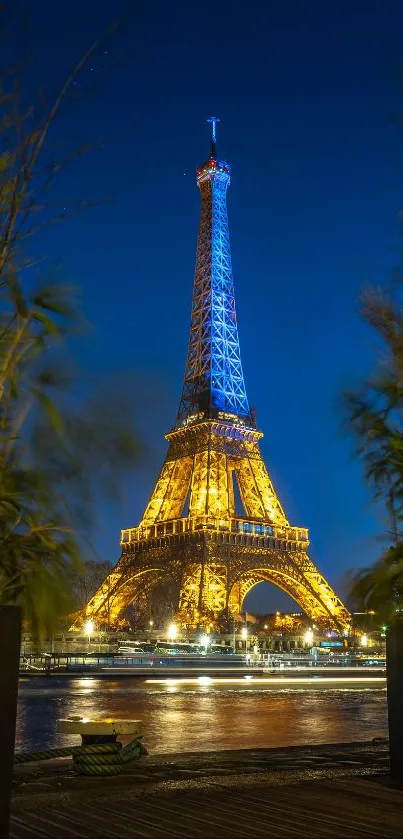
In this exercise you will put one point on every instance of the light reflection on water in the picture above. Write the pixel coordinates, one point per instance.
(186, 718)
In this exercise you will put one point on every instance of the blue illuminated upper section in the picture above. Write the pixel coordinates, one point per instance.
(214, 386)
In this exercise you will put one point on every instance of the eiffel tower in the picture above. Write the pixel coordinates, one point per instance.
(192, 534)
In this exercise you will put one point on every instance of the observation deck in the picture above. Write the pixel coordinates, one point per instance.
(233, 531)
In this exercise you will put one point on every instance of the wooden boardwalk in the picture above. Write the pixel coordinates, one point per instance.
(341, 807)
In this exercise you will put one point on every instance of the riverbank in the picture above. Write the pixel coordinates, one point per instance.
(328, 790)
(142, 664)
(209, 675)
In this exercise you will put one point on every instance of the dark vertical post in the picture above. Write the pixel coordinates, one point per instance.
(394, 670)
(10, 644)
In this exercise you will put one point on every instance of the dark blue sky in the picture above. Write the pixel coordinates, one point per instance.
(308, 97)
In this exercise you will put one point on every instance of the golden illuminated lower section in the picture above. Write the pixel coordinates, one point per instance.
(193, 535)
(123, 586)
(210, 479)
(203, 592)
(222, 524)
(257, 492)
(206, 476)
(301, 581)
(170, 492)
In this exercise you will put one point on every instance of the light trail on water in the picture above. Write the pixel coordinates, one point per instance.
(292, 680)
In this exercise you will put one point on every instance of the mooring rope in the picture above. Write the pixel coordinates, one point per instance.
(95, 759)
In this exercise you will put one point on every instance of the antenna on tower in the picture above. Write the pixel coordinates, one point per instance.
(213, 121)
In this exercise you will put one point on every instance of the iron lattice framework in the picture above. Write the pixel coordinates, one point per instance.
(214, 380)
(192, 539)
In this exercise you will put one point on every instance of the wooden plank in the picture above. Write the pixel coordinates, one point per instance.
(350, 807)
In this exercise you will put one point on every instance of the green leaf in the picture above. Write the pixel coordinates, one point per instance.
(51, 410)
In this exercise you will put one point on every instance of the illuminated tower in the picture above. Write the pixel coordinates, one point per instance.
(214, 526)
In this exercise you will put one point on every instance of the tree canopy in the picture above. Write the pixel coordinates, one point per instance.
(58, 450)
(375, 417)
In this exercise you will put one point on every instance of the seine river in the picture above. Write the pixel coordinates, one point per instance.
(205, 717)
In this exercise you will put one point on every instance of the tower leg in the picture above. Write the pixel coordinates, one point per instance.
(203, 597)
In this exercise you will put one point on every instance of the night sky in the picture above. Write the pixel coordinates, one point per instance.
(308, 97)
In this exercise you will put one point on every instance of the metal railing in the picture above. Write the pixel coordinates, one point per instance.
(214, 523)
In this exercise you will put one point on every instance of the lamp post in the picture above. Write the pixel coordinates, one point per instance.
(244, 635)
(151, 624)
(172, 631)
(204, 642)
(88, 629)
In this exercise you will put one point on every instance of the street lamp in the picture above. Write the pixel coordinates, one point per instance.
(244, 636)
(172, 631)
(364, 640)
(308, 637)
(204, 642)
(88, 629)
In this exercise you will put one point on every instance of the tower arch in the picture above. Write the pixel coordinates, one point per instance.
(119, 590)
(298, 589)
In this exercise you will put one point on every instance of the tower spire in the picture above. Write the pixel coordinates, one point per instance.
(213, 121)
(213, 384)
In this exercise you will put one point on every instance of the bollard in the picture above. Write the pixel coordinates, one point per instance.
(394, 675)
(100, 752)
